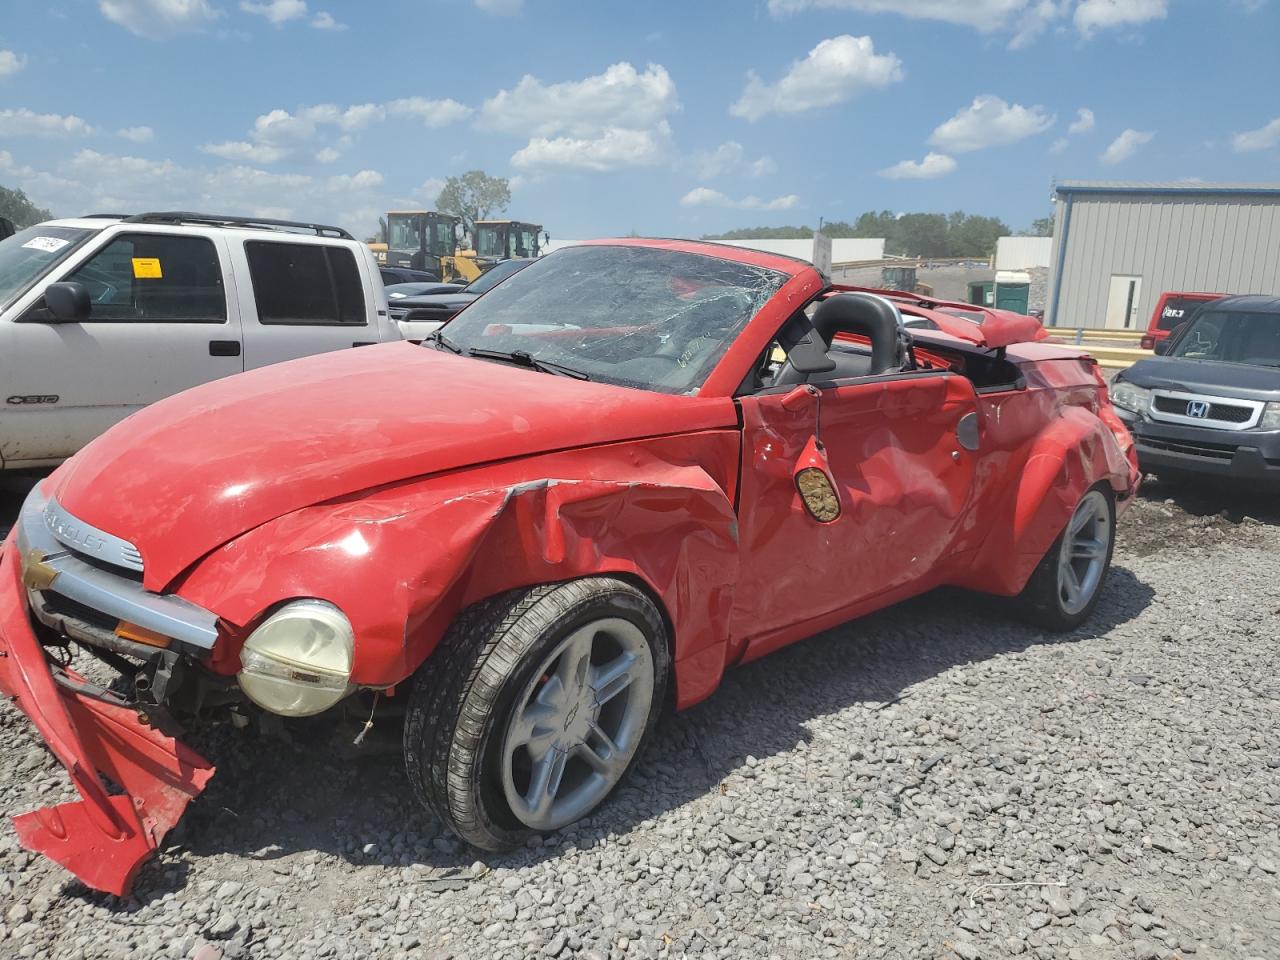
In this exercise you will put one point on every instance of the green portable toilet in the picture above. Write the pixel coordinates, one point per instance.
(982, 293)
(1013, 290)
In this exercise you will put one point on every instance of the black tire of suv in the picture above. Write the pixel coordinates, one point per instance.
(462, 696)
(1040, 601)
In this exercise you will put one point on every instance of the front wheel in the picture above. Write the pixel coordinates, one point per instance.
(534, 708)
(1065, 586)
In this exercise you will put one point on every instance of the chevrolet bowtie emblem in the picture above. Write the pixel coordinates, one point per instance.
(36, 574)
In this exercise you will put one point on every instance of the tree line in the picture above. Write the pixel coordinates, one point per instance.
(16, 206)
(940, 235)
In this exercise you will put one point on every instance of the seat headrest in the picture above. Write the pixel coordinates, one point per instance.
(871, 316)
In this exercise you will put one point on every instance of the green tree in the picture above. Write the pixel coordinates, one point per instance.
(474, 196)
(906, 234)
(1040, 227)
(15, 206)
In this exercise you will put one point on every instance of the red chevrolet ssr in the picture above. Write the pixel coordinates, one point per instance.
(622, 471)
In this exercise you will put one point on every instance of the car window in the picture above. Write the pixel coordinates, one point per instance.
(495, 275)
(148, 277)
(29, 253)
(308, 284)
(1176, 310)
(1231, 337)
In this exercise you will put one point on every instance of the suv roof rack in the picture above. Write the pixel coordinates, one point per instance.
(253, 223)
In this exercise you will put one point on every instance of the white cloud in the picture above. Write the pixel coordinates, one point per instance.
(24, 123)
(276, 11)
(504, 8)
(603, 122)
(434, 113)
(834, 71)
(706, 197)
(622, 96)
(158, 18)
(362, 180)
(730, 157)
(1083, 123)
(327, 155)
(990, 122)
(430, 189)
(1059, 146)
(615, 148)
(1125, 146)
(137, 134)
(1094, 15)
(324, 21)
(242, 151)
(1026, 19)
(1264, 138)
(10, 63)
(986, 15)
(932, 167)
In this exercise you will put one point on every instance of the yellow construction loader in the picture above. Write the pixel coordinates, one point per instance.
(494, 241)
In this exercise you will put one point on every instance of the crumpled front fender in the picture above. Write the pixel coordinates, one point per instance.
(402, 561)
(103, 838)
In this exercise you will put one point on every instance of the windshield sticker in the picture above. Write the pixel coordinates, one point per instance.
(46, 244)
(147, 268)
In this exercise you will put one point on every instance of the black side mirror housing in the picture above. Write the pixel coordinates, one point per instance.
(809, 355)
(1161, 347)
(68, 302)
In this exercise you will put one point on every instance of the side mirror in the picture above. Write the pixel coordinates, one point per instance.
(809, 355)
(1161, 347)
(68, 302)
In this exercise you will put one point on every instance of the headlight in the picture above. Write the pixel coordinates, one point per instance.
(1131, 398)
(299, 661)
(1270, 417)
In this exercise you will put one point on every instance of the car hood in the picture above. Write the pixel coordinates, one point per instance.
(436, 301)
(1247, 381)
(190, 473)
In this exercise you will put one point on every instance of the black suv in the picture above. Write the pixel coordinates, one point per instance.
(1209, 403)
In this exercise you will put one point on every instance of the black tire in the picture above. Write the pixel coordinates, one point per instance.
(464, 693)
(1041, 601)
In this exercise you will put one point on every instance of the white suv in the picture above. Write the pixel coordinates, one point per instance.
(102, 315)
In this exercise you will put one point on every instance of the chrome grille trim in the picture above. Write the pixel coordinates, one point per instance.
(111, 594)
(1255, 407)
(82, 538)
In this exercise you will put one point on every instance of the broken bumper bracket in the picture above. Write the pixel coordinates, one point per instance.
(101, 838)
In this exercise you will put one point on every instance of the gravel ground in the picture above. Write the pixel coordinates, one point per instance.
(934, 781)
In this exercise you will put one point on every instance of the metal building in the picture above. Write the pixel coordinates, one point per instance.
(1117, 246)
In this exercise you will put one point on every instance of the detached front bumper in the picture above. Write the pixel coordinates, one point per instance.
(105, 837)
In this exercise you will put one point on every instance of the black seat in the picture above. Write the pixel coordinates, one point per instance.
(858, 313)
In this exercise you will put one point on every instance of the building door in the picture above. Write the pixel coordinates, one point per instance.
(1122, 303)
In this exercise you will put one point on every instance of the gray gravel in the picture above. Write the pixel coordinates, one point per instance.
(933, 781)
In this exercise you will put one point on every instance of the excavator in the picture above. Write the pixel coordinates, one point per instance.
(494, 241)
(429, 240)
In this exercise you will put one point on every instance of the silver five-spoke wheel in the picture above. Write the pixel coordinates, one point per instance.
(576, 725)
(1082, 558)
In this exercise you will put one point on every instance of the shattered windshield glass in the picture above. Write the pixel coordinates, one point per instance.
(635, 316)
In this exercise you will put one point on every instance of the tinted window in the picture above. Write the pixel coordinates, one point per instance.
(1176, 310)
(153, 277)
(1252, 338)
(495, 275)
(305, 283)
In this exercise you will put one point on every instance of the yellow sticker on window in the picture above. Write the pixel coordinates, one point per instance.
(147, 268)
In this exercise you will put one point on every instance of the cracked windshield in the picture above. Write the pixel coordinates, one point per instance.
(657, 319)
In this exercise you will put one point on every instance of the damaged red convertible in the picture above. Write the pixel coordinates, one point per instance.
(627, 468)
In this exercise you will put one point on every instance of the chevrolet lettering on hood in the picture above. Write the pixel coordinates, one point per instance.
(619, 472)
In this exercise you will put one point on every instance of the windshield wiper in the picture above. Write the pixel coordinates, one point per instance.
(440, 340)
(525, 359)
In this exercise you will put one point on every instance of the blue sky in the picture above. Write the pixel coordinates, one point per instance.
(672, 118)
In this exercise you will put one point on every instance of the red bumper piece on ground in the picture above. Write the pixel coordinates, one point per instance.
(102, 839)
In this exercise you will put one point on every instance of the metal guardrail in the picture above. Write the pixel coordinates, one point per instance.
(1069, 334)
(1117, 357)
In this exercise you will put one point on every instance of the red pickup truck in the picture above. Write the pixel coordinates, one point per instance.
(1172, 310)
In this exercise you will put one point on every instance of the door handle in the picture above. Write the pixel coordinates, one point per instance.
(364, 343)
(224, 348)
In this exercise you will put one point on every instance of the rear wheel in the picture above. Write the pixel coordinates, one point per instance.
(1065, 586)
(534, 708)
